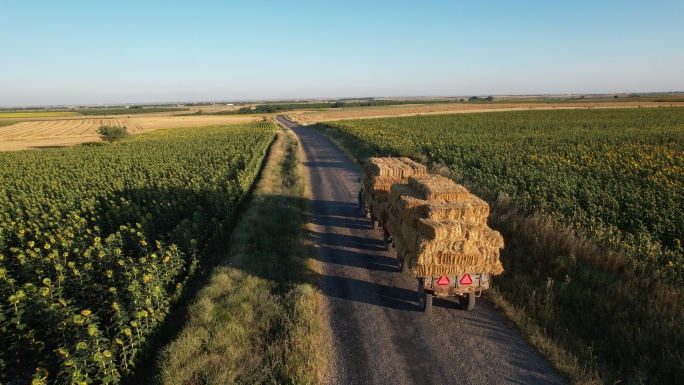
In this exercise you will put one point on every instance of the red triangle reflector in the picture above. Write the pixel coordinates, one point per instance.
(466, 280)
(443, 281)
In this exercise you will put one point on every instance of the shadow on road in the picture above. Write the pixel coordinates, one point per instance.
(369, 292)
(341, 245)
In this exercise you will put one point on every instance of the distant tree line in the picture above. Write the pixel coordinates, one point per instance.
(476, 99)
(126, 111)
(270, 108)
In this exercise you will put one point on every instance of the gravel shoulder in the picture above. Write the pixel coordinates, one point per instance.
(379, 335)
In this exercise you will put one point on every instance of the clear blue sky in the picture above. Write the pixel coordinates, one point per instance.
(87, 52)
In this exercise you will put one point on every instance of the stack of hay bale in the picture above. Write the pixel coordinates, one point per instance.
(379, 175)
(439, 228)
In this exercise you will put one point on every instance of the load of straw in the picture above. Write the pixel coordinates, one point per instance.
(379, 174)
(441, 229)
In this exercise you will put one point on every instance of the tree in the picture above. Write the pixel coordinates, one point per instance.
(112, 133)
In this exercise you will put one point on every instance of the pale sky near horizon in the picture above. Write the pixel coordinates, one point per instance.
(89, 52)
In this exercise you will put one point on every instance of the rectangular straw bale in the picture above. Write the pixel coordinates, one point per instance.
(375, 166)
(399, 192)
(416, 168)
(393, 222)
(381, 198)
(452, 259)
(381, 211)
(394, 217)
(445, 230)
(385, 182)
(491, 238)
(437, 187)
(457, 245)
(457, 259)
(472, 209)
(396, 167)
(433, 270)
(392, 167)
(398, 243)
(410, 234)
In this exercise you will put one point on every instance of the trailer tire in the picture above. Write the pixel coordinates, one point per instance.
(468, 301)
(424, 298)
(385, 241)
(404, 266)
(400, 262)
(428, 303)
(360, 200)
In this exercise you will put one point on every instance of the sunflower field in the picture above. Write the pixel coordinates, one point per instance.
(96, 243)
(617, 174)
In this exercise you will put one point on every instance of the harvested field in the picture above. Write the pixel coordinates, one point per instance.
(312, 117)
(33, 134)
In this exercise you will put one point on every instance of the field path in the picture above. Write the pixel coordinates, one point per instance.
(379, 336)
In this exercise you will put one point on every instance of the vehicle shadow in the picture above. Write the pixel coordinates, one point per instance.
(370, 293)
(348, 241)
(344, 237)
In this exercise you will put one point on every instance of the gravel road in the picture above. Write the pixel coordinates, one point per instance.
(379, 334)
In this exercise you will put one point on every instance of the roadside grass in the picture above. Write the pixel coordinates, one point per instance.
(4, 123)
(259, 319)
(583, 305)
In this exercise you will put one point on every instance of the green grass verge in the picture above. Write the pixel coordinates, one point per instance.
(259, 319)
(4, 123)
(595, 319)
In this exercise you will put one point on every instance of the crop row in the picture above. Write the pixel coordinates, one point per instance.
(613, 173)
(97, 242)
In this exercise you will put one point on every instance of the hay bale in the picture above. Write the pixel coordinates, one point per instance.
(427, 248)
(382, 184)
(410, 202)
(471, 209)
(430, 270)
(437, 187)
(381, 198)
(444, 230)
(381, 211)
(491, 238)
(436, 224)
(393, 167)
(416, 168)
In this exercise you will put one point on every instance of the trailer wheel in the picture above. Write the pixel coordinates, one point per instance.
(360, 201)
(404, 268)
(424, 298)
(468, 301)
(400, 262)
(385, 241)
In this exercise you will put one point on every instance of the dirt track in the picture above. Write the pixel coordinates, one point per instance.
(379, 334)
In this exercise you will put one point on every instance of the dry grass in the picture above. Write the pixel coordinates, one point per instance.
(259, 320)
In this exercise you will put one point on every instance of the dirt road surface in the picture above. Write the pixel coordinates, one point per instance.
(379, 336)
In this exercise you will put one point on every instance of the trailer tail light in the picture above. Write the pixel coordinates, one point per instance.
(466, 280)
(443, 281)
